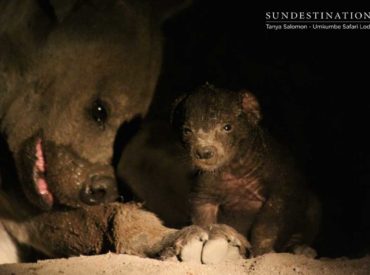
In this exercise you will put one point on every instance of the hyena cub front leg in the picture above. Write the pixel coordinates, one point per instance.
(224, 241)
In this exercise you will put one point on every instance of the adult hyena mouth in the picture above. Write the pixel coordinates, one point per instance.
(39, 174)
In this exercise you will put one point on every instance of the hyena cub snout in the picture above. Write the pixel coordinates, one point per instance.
(205, 152)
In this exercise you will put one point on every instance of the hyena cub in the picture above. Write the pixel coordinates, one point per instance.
(246, 180)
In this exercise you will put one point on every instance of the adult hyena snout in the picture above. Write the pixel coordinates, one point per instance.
(99, 189)
(205, 152)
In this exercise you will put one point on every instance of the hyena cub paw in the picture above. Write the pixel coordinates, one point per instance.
(186, 245)
(305, 250)
(224, 243)
(210, 245)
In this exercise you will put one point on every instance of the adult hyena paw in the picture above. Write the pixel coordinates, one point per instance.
(186, 245)
(224, 243)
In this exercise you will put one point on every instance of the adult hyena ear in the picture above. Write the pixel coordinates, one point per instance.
(165, 9)
(61, 8)
(250, 106)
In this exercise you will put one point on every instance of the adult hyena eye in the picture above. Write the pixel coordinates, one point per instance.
(186, 131)
(227, 127)
(99, 112)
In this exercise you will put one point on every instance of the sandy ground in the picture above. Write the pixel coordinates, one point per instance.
(124, 264)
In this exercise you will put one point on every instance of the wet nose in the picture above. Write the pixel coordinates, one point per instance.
(205, 152)
(99, 189)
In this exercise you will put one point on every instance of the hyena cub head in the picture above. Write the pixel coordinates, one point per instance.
(216, 124)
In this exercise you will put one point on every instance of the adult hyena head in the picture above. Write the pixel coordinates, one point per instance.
(93, 69)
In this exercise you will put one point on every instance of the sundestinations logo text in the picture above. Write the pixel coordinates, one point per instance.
(317, 20)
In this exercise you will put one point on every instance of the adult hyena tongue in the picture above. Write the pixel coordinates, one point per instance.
(32, 171)
(39, 175)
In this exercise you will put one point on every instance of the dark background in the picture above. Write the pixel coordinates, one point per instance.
(313, 88)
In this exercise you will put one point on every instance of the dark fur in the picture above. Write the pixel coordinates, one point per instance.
(250, 182)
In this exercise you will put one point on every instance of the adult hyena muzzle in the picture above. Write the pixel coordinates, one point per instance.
(55, 174)
(99, 187)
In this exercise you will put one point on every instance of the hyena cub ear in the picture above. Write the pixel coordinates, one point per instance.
(178, 112)
(250, 106)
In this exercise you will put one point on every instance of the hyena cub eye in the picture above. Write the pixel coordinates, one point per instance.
(99, 112)
(227, 127)
(186, 131)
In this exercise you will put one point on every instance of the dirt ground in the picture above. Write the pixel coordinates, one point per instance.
(123, 264)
